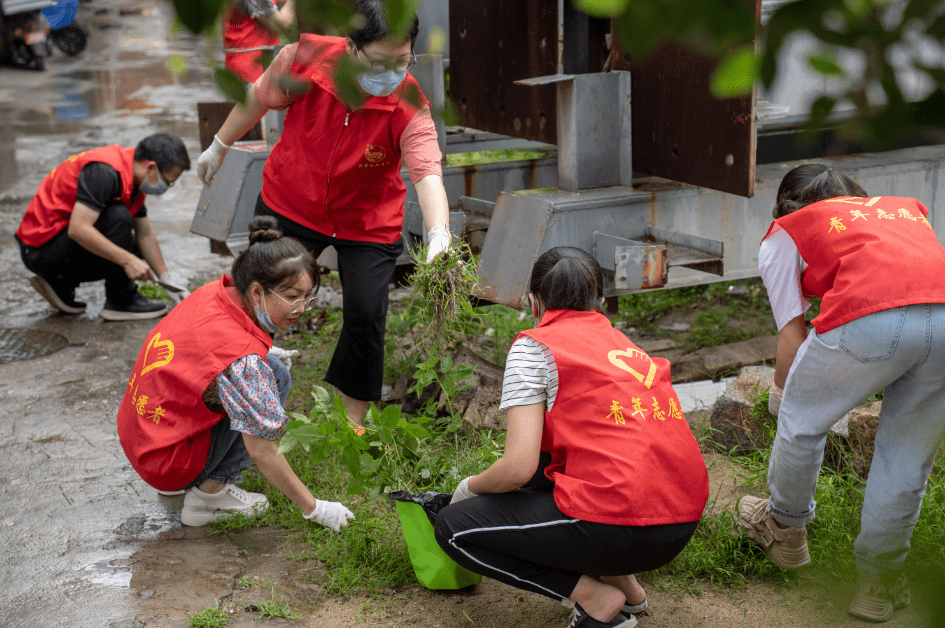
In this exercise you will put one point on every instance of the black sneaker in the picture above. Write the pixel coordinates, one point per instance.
(580, 619)
(139, 308)
(58, 295)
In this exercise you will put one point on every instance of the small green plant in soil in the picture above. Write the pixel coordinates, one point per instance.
(212, 617)
(271, 609)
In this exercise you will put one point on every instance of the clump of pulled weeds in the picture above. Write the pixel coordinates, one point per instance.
(442, 293)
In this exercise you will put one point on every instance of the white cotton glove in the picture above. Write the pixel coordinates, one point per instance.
(284, 355)
(438, 240)
(174, 287)
(462, 492)
(774, 399)
(210, 160)
(332, 515)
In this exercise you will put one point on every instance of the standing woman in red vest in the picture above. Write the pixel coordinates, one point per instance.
(203, 403)
(620, 483)
(333, 178)
(878, 267)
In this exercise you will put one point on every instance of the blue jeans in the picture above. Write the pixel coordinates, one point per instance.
(228, 458)
(901, 350)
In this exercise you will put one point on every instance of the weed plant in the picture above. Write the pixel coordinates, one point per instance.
(272, 608)
(212, 617)
(441, 295)
(153, 291)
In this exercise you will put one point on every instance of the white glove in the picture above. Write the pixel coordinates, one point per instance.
(774, 399)
(174, 287)
(462, 492)
(284, 355)
(438, 240)
(332, 515)
(210, 160)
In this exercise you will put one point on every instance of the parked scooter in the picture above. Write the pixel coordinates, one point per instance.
(67, 34)
(24, 32)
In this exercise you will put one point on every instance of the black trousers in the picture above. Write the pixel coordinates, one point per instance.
(366, 270)
(65, 263)
(522, 539)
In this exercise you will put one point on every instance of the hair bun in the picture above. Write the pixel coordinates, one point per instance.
(264, 229)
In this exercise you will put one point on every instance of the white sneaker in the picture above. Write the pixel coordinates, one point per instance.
(201, 508)
(171, 493)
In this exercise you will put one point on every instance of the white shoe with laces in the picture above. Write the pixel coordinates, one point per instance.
(201, 508)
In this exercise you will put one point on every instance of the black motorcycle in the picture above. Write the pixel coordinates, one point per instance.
(24, 36)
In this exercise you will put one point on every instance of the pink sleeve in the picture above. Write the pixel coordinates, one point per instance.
(269, 92)
(420, 148)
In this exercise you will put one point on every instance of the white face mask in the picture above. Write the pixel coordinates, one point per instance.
(381, 83)
(264, 319)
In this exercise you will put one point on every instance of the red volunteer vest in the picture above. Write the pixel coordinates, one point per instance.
(338, 171)
(240, 32)
(621, 450)
(49, 211)
(865, 255)
(163, 422)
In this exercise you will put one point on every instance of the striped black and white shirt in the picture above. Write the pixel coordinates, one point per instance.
(531, 375)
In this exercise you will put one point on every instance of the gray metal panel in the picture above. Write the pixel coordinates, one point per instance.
(226, 207)
(635, 265)
(434, 16)
(12, 7)
(594, 132)
(514, 242)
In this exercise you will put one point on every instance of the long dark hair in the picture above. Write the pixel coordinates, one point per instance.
(811, 183)
(568, 278)
(272, 260)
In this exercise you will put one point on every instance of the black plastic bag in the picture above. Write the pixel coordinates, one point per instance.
(432, 502)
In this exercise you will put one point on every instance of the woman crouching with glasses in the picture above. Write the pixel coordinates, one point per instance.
(204, 401)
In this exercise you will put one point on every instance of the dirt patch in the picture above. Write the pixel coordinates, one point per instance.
(187, 570)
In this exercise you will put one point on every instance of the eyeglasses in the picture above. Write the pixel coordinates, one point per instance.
(382, 66)
(299, 305)
(169, 184)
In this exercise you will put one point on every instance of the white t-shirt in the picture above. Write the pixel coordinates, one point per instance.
(781, 265)
(531, 375)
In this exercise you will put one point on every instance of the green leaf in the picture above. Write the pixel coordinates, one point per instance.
(346, 81)
(826, 66)
(736, 74)
(177, 65)
(859, 8)
(198, 15)
(287, 443)
(230, 85)
(400, 15)
(601, 8)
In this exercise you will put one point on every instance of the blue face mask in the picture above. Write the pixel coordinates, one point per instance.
(147, 187)
(264, 319)
(381, 83)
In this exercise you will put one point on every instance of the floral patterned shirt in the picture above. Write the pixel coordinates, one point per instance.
(246, 391)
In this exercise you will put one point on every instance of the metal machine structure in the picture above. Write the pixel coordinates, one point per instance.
(634, 162)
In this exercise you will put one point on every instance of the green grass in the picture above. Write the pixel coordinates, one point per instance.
(272, 609)
(370, 554)
(482, 157)
(212, 617)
